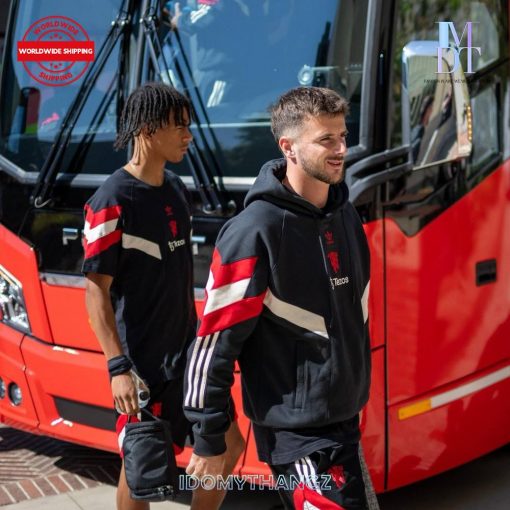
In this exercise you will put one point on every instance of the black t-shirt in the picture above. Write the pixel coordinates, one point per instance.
(283, 446)
(141, 235)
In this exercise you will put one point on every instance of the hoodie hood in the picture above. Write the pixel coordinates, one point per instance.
(268, 186)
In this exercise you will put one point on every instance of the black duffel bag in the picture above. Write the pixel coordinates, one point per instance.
(149, 460)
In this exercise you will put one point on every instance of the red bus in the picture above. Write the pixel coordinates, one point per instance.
(428, 168)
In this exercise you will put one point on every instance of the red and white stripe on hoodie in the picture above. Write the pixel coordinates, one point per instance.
(226, 305)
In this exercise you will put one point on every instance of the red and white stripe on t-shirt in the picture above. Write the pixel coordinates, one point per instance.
(101, 229)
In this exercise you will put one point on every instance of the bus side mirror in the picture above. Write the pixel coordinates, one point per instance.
(436, 112)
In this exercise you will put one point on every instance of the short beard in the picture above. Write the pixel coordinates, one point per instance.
(311, 170)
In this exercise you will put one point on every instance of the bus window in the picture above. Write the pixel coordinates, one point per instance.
(31, 113)
(485, 141)
(236, 58)
(419, 22)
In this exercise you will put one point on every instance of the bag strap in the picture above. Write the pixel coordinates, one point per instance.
(149, 414)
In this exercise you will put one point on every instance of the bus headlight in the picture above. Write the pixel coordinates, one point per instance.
(2, 388)
(15, 394)
(12, 303)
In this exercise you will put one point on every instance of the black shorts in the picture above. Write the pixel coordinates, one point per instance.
(166, 403)
(330, 478)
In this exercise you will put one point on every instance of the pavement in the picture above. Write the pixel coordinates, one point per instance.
(103, 497)
(32, 467)
(40, 473)
(97, 498)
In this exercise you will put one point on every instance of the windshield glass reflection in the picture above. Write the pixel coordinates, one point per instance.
(235, 57)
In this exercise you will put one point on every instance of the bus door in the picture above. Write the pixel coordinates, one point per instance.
(447, 239)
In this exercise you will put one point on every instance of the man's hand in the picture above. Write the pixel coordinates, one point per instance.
(125, 394)
(202, 466)
(102, 320)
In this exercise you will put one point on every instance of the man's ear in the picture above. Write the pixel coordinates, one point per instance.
(286, 146)
(144, 133)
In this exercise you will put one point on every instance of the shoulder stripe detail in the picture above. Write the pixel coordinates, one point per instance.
(101, 216)
(100, 230)
(225, 274)
(230, 315)
(139, 243)
(197, 372)
(226, 295)
(295, 315)
(364, 302)
(226, 304)
(102, 244)
(92, 234)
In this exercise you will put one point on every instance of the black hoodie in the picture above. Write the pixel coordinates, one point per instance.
(288, 297)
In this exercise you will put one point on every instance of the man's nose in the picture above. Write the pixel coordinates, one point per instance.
(341, 147)
(188, 135)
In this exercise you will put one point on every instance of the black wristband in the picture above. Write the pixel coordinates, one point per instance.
(119, 365)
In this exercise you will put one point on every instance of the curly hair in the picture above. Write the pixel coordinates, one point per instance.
(148, 108)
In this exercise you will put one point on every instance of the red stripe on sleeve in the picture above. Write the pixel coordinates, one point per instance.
(101, 244)
(230, 315)
(224, 274)
(106, 214)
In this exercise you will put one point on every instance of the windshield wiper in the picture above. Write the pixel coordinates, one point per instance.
(41, 194)
(215, 200)
(81, 150)
(116, 87)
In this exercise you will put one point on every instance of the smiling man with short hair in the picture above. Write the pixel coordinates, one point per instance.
(288, 298)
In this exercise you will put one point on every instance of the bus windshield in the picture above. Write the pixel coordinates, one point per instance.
(235, 57)
(232, 57)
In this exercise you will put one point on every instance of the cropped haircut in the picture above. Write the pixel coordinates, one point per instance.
(148, 108)
(295, 106)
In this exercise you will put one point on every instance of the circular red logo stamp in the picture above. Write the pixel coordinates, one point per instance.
(55, 51)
